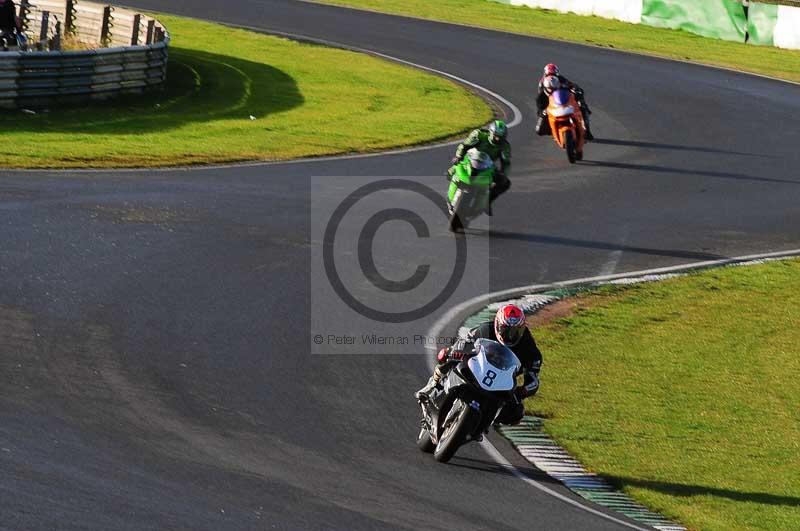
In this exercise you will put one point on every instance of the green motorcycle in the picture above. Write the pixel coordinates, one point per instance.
(470, 188)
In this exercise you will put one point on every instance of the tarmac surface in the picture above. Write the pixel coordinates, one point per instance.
(158, 369)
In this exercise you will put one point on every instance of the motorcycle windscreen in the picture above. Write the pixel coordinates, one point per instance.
(561, 97)
(494, 366)
(482, 165)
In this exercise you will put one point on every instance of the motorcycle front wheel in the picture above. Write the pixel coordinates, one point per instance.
(456, 433)
(424, 441)
(455, 224)
(569, 145)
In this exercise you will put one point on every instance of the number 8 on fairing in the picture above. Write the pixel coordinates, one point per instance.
(488, 380)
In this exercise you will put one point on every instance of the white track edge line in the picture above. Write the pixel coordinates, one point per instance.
(516, 120)
(452, 314)
(495, 454)
(575, 43)
(454, 311)
(299, 36)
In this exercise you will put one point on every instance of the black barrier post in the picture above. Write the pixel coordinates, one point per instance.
(106, 29)
(43, 30)
(137, 19)
(69, 20)
(151, 24)
(55, 43)
(746, 6)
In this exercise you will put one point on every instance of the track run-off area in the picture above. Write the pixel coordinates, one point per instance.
(158, 370)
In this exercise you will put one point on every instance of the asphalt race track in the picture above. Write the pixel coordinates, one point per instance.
(157, 369)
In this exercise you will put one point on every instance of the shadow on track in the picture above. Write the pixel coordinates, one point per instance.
(673, 147)
(681, 171)
(481, 465)
(678, 489)
(606, 246)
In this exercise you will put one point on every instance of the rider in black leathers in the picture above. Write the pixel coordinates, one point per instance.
(513, 334)
(543, 99)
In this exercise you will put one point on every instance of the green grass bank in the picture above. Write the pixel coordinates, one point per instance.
(685, 394)
(671, 44)
(305, 100)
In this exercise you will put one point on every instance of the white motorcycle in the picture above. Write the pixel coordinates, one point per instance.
(472, 395)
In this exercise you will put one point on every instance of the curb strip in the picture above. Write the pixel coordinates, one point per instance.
(540, 450)
(529, 438)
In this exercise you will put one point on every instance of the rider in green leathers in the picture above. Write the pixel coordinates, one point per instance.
(478, 171)
(493, 142)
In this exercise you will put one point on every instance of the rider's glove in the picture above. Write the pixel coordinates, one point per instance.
(455, 161)
(449, 354)
(530, 387)
(457, 354)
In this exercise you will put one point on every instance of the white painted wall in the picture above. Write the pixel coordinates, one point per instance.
(787, 30)
(624, 10)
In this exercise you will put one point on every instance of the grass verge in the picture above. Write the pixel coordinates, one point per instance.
(671, 44)
(685, 393)
(304, 100)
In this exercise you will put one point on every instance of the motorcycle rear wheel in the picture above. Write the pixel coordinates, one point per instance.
(456, 434)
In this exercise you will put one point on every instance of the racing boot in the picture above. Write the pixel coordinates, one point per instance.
(500, 186)
(433, 382)
(492, 197)
(542, 125)
(425, 392)
(586, 125)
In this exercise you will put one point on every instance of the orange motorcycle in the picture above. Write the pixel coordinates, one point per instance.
(566, 123)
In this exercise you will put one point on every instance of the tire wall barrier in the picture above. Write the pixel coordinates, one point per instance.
(764, 24)
(128, 55)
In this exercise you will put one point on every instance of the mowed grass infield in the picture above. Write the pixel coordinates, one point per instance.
(234, 95)
(671, 44)
(685, 393)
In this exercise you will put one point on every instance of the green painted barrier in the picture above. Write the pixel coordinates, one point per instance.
(761, 21)
(719, 19)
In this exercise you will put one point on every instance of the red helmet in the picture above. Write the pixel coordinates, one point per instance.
(509, 324)
(551, 69)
